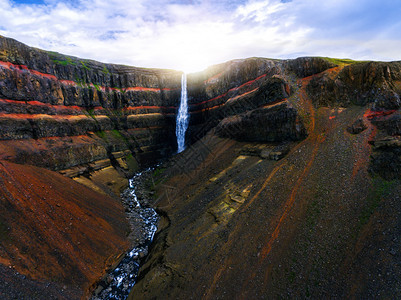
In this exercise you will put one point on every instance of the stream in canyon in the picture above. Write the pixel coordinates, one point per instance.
(143, 220)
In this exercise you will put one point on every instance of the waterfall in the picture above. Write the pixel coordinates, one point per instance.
(182, 116)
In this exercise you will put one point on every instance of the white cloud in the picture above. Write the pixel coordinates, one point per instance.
(190, 35)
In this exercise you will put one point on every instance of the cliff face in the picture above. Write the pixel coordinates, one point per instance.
(77, 111)
(275, 148)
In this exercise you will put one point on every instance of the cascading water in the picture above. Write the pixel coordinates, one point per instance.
(182, 116)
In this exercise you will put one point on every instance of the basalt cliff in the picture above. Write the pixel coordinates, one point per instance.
(289, 186)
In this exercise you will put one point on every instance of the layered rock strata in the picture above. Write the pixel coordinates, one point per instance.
(60, 112)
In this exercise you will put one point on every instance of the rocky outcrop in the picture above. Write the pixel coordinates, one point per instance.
(359, 84)
(239, 86)
(357, 127)
(386, 156)
(308, 66)
(272, 124)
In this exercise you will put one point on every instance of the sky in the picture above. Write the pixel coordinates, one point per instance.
(191, 35)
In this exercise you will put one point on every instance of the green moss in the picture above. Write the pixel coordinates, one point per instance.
(97, 87)
(291, 276)
(90, 112)
(60, 59)
(158, 171)
(155, 179)
(101, 134)
(131, 162)
(85, 66)
(105, 71)
(117, 134)
(81, 83)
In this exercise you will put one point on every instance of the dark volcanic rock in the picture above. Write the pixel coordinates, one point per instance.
(391, 124)
(357, 127)
(360, 84)
(386, 158)
(307, 66)
(272, 124)
(387, 163)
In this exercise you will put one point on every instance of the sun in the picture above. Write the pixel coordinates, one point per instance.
(193, 48)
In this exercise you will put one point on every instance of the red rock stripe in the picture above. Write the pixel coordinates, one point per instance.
(213, 77)
(38, 103)
(78, 108)
(231, 90)
(11, 66)
(239, 96)
(149, 107)
(38, 116)
(372, 114)
(216, 106)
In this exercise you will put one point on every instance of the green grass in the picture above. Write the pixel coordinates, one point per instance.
(91, 112)
(60, 59)
(342, 61)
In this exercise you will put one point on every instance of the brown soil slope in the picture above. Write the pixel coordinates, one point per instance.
(313, 224)
(56, 231)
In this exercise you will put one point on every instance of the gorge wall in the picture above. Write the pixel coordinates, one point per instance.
(98, 123)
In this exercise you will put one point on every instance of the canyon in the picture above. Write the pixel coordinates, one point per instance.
(289, 185)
